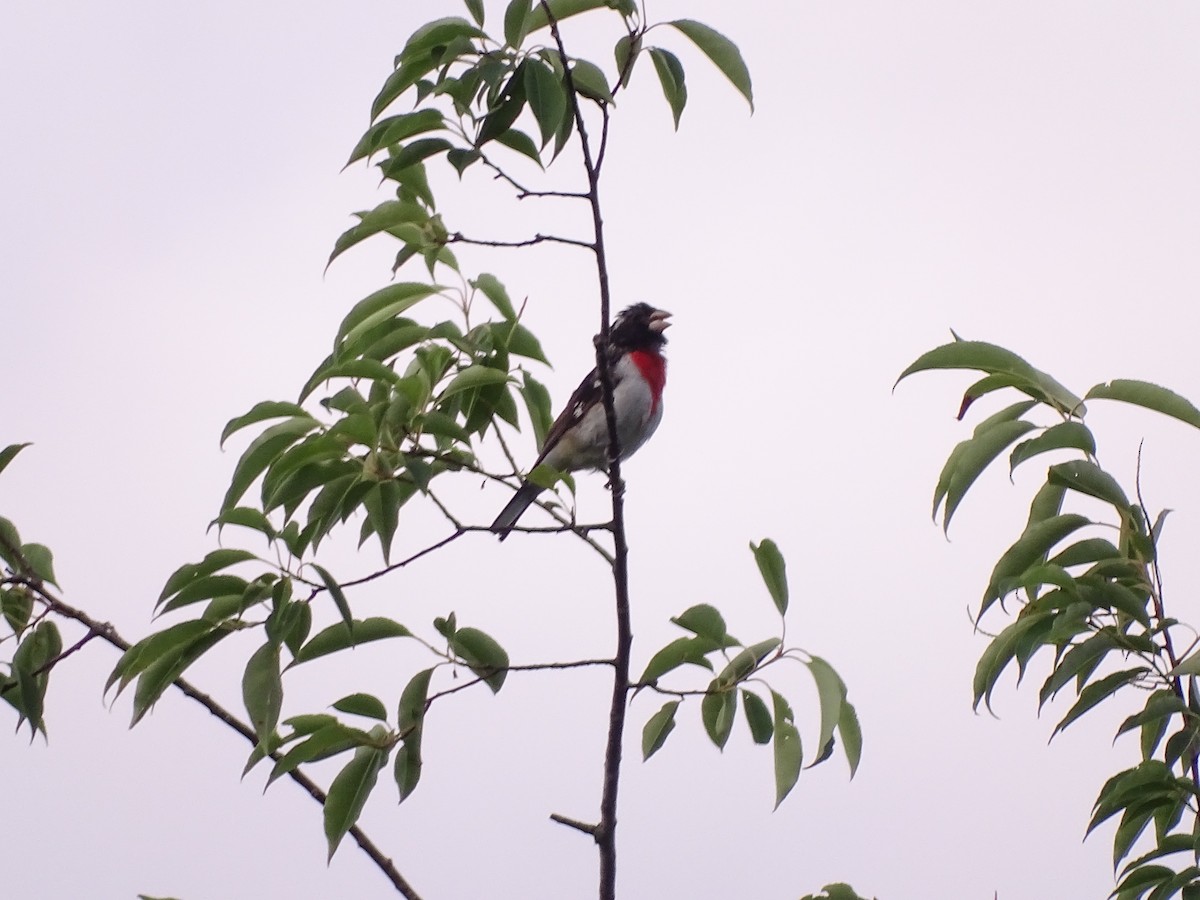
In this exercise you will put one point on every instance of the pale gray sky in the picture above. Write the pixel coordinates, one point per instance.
(1022, 172)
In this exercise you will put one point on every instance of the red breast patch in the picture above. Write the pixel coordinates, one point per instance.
(654, 369)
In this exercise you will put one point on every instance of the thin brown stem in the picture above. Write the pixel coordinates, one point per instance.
(606, 828)
(460, 238)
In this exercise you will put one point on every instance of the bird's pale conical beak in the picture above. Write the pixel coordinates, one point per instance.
(658, 320)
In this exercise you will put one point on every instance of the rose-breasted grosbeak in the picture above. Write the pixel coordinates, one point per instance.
(578, 439)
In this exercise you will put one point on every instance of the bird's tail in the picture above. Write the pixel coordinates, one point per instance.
(516, 507)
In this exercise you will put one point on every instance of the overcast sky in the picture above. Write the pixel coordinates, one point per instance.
(1024, 172)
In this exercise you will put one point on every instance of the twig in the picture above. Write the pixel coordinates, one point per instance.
(524, 192)
(459, 238)
(529, 667)
(576, 824)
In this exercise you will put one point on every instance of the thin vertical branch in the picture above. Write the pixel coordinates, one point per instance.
(606, 830)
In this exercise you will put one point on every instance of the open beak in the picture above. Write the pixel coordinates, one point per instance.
(658, 320)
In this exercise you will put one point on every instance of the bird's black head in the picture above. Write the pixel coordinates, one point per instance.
(640, 326)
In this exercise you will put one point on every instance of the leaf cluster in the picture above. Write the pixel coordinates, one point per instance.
(1083, 591)
(709, 643)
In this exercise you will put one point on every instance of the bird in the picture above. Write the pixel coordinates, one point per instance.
(578, 439)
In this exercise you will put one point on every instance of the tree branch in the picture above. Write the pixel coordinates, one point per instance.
(111, 636)
(605, 832)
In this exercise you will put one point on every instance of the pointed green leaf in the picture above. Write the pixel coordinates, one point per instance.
(349, 791)
(976, 455)
(722, 51)
(589, 81)
(338, 595)
(705, 621)
(718, 709)
(1065, 435)
(264, 450)
(1150, 396)
(170, 666)
(1101, 690)
(561, 10)
(671, 77)
(537, 403)
(342, 636)
(1035, 542)
(831, 691)
(268, 409)
(988, 358)
(412, 725)
(482, 654)
(516, 27)
(474, 377)
(475, 8)
(495, 291)
(1088, 478)
(851, 735)
(394, 129)
(758, 717)
(362, 705)
(679, 652)
(788, 751)
(658, 728)
(546, 97)
(745, 663)
(9, 453)
(380, 306)
(326, 741)
(41, 562)
(773, 570)
(262, 690)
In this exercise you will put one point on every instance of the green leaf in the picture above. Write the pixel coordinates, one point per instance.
(268, 409)
(1000, 652)
(831, 691)
(788, 751)
(207, 588)
(1101, 690)
(971, 457)
(338, 595)
(521, 143)
(516, 27)
(589, 80)
(705, 621)
(723, 53)
(474, 377)
(379, 307)
(561, 10)
(263, 450)
(170, 666)
(625, 52)
(671, 78)
(851, 735)
(745, 663)
(9, 453)
(495, 291)
(362, 705)
(658, 728)
(546, 97)
(1149, 396)
(1088, 478)
(412, 727)
(758, 717)
(718, 709)
(537, 402)
(150, 649)
(17, 605)
(1034, 543)
(475, 8)
(387, 215)
(1063, 436)
(482, 654)
(328, 740)
(349, 791)
(681, 651)
(342, 636)
(41, 562)
(773, 570)
(262, 690)
(988, 358)
(394, 129)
